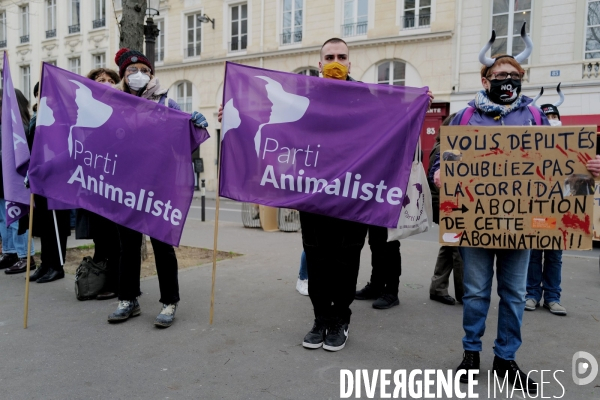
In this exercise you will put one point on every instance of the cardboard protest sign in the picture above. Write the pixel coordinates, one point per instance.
(517, 187)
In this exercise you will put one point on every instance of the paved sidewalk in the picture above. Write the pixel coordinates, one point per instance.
(253, 350)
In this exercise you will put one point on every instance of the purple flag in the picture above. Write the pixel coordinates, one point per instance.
(337, 148)
(118, 155)
(15, 151)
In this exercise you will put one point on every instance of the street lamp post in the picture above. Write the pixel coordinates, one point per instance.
(151, 31)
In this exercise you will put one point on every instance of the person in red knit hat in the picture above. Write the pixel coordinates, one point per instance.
(138, 79)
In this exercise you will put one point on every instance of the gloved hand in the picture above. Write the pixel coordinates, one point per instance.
(26, 181)
(199, 120)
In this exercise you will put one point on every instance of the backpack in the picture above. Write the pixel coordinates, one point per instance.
(89, 278)
(466, 117)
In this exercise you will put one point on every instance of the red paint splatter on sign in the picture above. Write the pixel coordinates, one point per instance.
(573, 221)
(562, 150)
(537, 171)
(447, 206)
(471, 198)
(564, 233)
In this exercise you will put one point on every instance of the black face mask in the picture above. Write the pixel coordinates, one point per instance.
(504, 92)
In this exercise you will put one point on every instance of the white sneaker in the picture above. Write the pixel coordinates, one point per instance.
(302, 286)
(531, 304)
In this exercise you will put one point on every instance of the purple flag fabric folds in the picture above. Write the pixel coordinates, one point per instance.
(337, 148)
(15, 151)
(118, 155)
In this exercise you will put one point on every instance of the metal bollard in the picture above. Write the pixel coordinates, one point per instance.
(203, 199)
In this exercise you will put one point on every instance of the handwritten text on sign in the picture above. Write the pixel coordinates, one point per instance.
(517, 187)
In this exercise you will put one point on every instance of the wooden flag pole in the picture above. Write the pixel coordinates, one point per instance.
(29, 239)
(216, 235)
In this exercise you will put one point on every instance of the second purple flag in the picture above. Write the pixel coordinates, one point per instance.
(123, 157)
(337, 148)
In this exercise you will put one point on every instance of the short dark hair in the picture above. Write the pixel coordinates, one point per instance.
(99, 71)
(334, 40)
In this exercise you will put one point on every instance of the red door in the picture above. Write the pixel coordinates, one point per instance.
(431, 127)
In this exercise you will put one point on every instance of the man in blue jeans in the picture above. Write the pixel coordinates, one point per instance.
(14, 246)
(546, 279)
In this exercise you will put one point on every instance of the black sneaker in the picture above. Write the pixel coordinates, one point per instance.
(337, 335)
(314, 338)
(369, 292)
(470, 361)
(386, 301)
(516, 377)
(125, 310)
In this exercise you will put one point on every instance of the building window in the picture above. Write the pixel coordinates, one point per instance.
(184, 96)
(74, 26)
(356, 15)
(24, 21)
(417, 14)
(99, 14)
(159, 46)
(51, 62)
(99, 60)
(26, 80)
(592, 34)
(50, 19)
(309, 72)
(194, 35)
(507, 19)
(392, 73)
(75, 65)
(2, 29)
(239, 27)
(291, 29)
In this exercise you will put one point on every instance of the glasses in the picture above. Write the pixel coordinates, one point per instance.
(504, 75)
(134, 70)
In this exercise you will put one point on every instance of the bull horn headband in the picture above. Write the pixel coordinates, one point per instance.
(536, 98)
(558, 103)
(488, 62)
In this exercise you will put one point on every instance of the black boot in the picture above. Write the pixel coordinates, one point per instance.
(369, 292)
(470, 361)
(516, 377)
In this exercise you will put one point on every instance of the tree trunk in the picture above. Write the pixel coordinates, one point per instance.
(132, 25)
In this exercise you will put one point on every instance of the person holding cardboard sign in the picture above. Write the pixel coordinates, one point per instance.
(499, 103)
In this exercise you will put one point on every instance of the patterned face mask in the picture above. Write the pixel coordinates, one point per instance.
(505, 91)
(335, 70)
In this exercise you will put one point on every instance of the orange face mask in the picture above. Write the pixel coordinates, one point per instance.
(335, 70)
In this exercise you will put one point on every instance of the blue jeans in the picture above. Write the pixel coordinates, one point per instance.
(303, 273)
(545, 279)
(12, 242)
(511, 274)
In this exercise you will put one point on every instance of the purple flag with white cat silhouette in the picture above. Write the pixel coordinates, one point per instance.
(113, 153)
(337, 148)
(15, 151)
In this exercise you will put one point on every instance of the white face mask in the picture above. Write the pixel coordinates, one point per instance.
(555, 122)
(138, 80)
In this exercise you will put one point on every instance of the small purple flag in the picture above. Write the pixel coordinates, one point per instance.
(118, 155)
(337, 148)
(15, 151)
